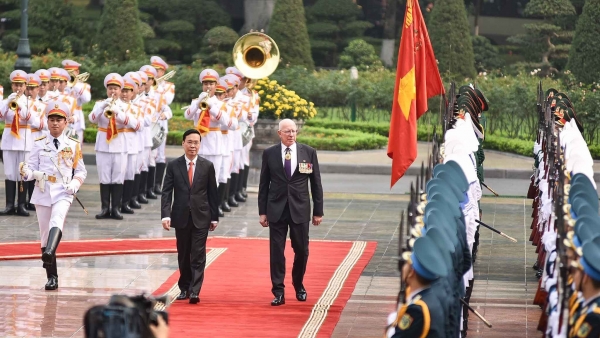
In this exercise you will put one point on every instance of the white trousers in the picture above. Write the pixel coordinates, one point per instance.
(237, 161)
(145, 158)
(225, 172)
(131, 167)
(139, 162)
(51, 217)
(111, 167)
(152, 157)
(160, 154)
(12, 158)
(216, 161)
(79, 135)
(246, 153)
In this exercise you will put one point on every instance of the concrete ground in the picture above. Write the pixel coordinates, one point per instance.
(357, 207)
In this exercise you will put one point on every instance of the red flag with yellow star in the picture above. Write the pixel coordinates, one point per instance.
(417, 79)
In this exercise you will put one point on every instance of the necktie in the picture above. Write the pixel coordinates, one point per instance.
(288, 163)
(56, 143)
(191, 172)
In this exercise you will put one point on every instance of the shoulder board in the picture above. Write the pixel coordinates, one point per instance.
(40, 138)
(73, 139)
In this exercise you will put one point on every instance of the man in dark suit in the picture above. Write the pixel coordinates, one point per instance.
(283, 201)
(192, 212)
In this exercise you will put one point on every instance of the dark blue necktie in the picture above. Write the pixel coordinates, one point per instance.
(288, 163)
(56, 143)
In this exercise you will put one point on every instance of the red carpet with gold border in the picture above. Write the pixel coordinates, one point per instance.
(235, 298)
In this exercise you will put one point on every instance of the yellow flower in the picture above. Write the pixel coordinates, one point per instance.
(261, 108)
(269, 96)
(257, 87)
(261, 92)
(295, 114)
(278, 112)
(272, 83)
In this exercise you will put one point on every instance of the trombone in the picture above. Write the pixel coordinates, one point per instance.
(79, 78)
(163, 78)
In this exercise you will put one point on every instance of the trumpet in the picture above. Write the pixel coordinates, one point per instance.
(163, 78)
(13, 105)
(109, 112)
(202, 104)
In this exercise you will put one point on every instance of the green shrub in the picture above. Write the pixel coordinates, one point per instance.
(217, 45)
(361, 54)
(486, 54)
(288, 29)
(583, 58)
(382, 129)
(340, 139)
(119, 37)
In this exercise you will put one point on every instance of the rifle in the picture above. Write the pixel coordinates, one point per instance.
(563, 287)
(402, 292)
(449, 107)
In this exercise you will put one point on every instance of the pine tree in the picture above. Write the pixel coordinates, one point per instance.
(119, 35)
(288, 29)
(583, 57)
(450, 36)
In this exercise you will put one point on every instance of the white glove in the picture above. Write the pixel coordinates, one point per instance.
(73, 187)
(24, 170)
(39, 176)
(11, 97)
(202, 96)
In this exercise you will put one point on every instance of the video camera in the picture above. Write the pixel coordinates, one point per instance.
(124, 317)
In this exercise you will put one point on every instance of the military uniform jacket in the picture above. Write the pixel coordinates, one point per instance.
(21, 141)
(240, 103)
(123, 121)
(588, 322)
(254, 104)
(227, 130)
(163, 96)
(135, 123)
(81, 92)
(145, 116)
(212, 142)
(46, 158)
(421, 317)
(148, 106)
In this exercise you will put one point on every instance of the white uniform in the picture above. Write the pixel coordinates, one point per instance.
(16, 144)
(134, 124)
(164, 94)
(40, 128)
(146, 110)
(211, 147)
(240, 103)
(111, 156)
(227, 148)
(253, 111)
(50, 194)
(81, 92)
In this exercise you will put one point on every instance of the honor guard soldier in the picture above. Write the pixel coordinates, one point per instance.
(111, 152)
(44, 85)
(422, 315)
(227, 149)
(16, 140)
(239, 103)
(56, 165)
(149, 93)
(132, 145)
(164, 93)
(588, 280)
(248, 118)
(40, 125)
(81, 92)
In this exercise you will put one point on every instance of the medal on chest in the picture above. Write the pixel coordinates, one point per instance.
(288, 156)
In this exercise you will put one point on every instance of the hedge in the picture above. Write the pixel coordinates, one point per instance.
(340, 139)
(382, 129)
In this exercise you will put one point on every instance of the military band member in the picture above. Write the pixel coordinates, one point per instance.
(111, 152)
(81, 91)
(56, 164)
(164, 93)
(146, 99)
(16, 140)
(39, 127)
(254, 109)
(145, 116)
(58, 83)
(150, 93)
(44, 85)
(227, 149)
(132, 142)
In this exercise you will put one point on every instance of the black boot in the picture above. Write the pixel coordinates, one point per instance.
(133, 203)
(30, 187)
(149, 193)
(238, 187)
(142, 194)
(160, 173)
(22, 200)
(127, 192)
(149, 184)
(10, 188)
(224, 204)
(105, 200)
(245, 181)
(233, 184)
(116, 194)
(48, 256)
(51, 274)
(222, 197)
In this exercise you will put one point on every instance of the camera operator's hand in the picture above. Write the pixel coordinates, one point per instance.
(161, 330)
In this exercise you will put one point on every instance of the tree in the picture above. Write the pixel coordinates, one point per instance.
(332, 25)
(451, 39)
(361, 54)
(549, 40)
(288, 29)
(119, 36)
(486, 54)
(583, 57)
(217, 46)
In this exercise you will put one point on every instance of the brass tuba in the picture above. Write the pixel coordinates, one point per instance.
(256, 55)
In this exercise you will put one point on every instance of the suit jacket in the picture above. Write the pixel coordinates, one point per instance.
(275, 190)
(178, 199)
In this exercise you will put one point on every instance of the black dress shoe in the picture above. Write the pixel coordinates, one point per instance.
(221, 214)
(151, 195)
(301, 295)
(279, 300)
(225, 206)
(30, 207)
(194, 299)
(52, 283)
(183, 295)
(232, 202)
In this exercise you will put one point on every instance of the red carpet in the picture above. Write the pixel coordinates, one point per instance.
(235, 298)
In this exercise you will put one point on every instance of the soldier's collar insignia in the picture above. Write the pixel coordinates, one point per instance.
(405, 322)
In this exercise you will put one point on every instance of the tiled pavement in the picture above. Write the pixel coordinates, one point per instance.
(503, 290)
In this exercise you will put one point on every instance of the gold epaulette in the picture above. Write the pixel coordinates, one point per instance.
(74, 139)
(40, 138)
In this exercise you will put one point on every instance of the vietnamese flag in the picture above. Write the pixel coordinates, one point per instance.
(417, 79)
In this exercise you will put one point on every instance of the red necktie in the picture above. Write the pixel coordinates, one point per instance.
(191, 172)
